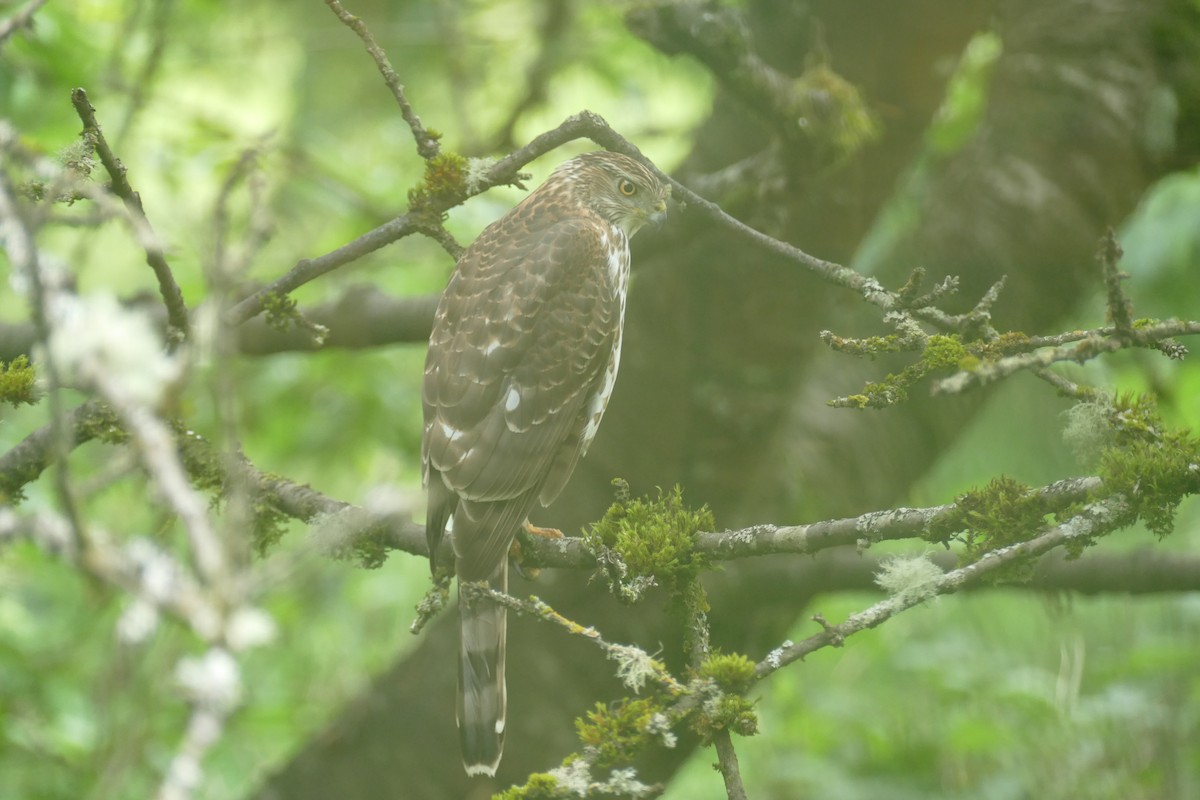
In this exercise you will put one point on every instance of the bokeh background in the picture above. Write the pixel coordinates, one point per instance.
(976, 139)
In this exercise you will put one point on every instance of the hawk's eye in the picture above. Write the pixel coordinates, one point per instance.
(627, 187)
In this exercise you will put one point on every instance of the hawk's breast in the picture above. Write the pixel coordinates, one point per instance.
(616, 245)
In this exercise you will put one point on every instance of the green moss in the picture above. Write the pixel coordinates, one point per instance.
(200, 460)
(539, 786)
(725, 712)
(444, 184)
(270, 524)
(17, 380)
(940, 353)
(207, 471)
(858, 401)
(732, 672)
(969, 363)
(371, 547)
(892, 389)
(1136, 418)
(103, 425)
(1006, 344)
(870, 345)
(13, 482)
(943, 352)
(833, 110)
(1151, 466)
(620, 732)
(653, 537)
(280, 311)
(1003, 513)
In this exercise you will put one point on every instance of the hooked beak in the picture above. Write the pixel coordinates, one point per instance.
(659, 217)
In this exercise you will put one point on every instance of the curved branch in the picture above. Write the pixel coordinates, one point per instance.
(506, 172)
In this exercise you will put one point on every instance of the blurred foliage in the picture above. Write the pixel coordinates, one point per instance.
(991, 696)
(183, 91)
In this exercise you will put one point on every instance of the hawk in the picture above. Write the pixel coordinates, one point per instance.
(521, 363)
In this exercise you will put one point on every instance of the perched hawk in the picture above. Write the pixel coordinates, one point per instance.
(521, 363)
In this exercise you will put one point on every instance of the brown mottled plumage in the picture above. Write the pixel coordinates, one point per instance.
(521, 363)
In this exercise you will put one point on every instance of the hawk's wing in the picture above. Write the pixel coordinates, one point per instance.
(521, 341)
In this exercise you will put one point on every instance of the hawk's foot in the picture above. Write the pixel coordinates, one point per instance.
(528, 571)
(548, 533)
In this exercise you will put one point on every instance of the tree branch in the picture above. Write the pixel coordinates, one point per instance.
(876, 526)
(728, 765)
(1089, 345)
(23, 18)
(361, 317)
(1095, 519)
(506, 172)
(427, 144)
(119, 181)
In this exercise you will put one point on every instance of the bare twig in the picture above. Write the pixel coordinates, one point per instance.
(635, 666)
(142, 84)
(159, 454)
(310, 269)
(1093, 520)
(23, 18)
(728, 764)
(427, 145)
(155, 256)
(442, 236)
(720, 39)
(226, 269)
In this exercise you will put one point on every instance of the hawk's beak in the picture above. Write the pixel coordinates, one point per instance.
(660, 214)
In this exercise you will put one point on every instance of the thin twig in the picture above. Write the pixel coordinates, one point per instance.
(160, 455)
(728, 764)
(506, 172)
(552, 33)
(309, 269)
(1089, 346)
(635, 664)
(23, 18)
(155, 256)
(427, 145)
(1093, 520)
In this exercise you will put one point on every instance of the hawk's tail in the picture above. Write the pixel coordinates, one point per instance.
(482, 697)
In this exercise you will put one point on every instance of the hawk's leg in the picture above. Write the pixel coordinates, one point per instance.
(530, 573)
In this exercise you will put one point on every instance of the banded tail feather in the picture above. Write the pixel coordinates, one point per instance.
(482, 695)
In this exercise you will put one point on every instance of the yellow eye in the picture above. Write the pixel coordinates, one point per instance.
(627, 187)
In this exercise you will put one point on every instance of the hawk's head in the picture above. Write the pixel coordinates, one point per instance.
(617, 188)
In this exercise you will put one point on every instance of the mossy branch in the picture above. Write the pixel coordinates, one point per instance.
(969, 352)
